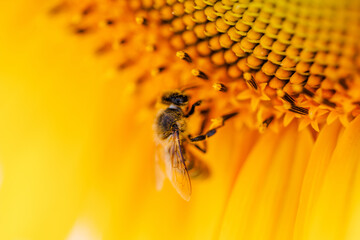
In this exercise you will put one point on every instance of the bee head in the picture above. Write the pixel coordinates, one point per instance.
(177, 98)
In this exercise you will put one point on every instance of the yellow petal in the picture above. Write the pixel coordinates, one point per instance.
(313, 179)
(335, 213)
(285, 226)
(266, 186)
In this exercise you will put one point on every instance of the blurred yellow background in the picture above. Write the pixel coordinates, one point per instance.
(49, 108)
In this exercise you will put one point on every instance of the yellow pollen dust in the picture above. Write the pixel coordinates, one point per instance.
(216, 123)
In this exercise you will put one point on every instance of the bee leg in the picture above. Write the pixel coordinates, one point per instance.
(192, 110)
(205, 114)
(203, 136)
(211, 132)
(228, 116)
(200, 148)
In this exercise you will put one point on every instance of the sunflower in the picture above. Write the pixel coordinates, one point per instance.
(80, 88)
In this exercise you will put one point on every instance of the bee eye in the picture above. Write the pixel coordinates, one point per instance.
(178, 99)
(181, 100)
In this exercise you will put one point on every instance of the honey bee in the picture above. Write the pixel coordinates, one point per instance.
(171, 137)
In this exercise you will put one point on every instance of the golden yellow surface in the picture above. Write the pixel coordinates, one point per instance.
(76, 154)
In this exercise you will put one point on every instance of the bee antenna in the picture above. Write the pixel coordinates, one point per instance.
(189, 88)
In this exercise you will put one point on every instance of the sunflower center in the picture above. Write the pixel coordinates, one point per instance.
(272, 61)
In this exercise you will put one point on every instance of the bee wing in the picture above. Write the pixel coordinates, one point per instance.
(159, 167)
(177, 171)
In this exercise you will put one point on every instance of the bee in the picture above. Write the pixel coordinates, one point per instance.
(171, 137)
